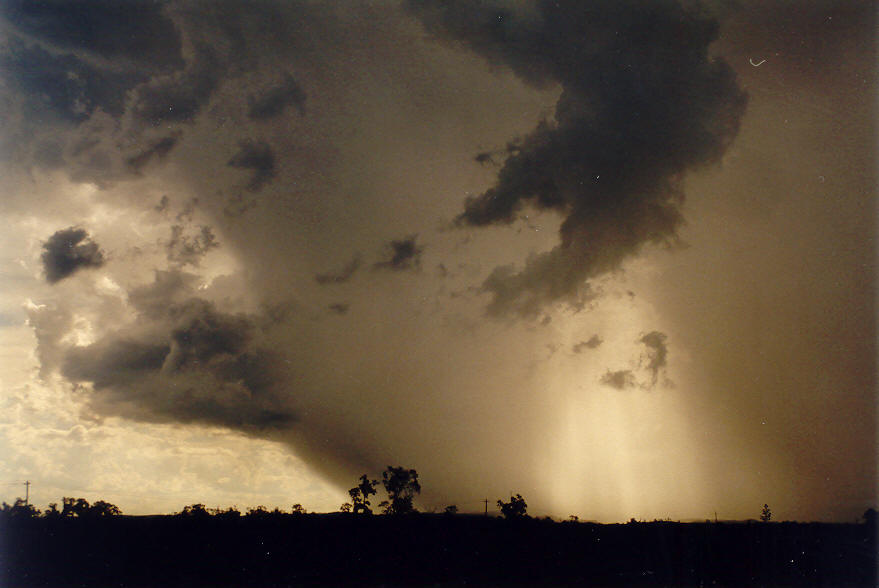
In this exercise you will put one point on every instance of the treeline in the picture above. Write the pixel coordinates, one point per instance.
(401, 486)
(70, 507)
(267, 548)
(90, 544)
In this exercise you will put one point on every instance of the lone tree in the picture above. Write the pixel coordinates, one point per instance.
(766, 514)
(360, 495)
(516, 508)
(402, 486)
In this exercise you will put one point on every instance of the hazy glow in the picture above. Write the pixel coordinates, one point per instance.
(614, 453)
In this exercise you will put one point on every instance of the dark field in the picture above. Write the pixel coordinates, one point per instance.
(429, 550)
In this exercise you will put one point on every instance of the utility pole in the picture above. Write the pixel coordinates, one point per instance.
(27, 492)
(486, 506)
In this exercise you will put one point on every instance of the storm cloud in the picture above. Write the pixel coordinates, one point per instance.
(641, 104)
(592, 343)
(68, 251)
(587, 118)
(341, 276)
(139, 31)
(657, 353)
(257, 157)
(401, 254)
(185, 362)
(187, 248)
(276, 99)
(158, 150)
(620, 379)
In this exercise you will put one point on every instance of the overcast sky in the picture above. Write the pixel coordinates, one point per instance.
(618, 257)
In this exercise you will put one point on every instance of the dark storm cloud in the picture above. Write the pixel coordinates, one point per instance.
(257, 157)
(484, 157)
(158, 150)
(657, 353)
(74, 57)
(179, 96)
(341, 276)
(114, 361)
(641, 104)
(163, 204)
(276, 99)
(63, 84)
(201, 334)
(620, 380)
(238, 204)
(188, 249)
(108, 81)
(402, 254)
(593, 342)
(68, 251)
(192, 364)
(136, 30)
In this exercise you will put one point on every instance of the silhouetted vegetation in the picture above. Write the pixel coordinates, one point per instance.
(220, 548)
(19, 509)
(80, 507)
(194, 510)
(516, 508)
(765, 514)
(360, 495)
(402, 486)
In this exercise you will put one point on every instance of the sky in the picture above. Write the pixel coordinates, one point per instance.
(618, 257)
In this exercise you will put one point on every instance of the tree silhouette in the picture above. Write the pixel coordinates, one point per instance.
(766, 514)
(402, 486)
(74, 507)
(52, 512)
(80, 507)
(104, 509)
(516, 508)
(259, 513)
(230, 513)
(195, 510)
(19, 509)
(360, 495)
